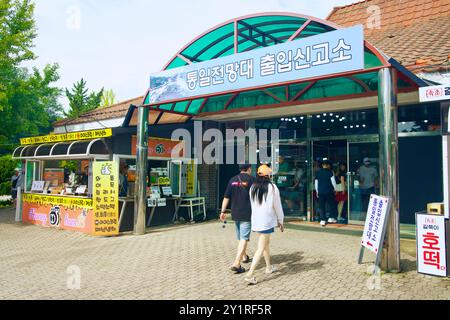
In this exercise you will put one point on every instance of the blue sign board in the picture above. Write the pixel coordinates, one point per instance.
(328, 53)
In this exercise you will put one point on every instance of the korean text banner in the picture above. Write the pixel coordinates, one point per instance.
(106, 198)
(329, 53)
(71, 136)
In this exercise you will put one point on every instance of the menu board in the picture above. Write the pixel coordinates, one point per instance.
(105, 199)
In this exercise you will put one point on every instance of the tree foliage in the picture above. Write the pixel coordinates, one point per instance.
(28, 98)
(108, 98)
(80, 101)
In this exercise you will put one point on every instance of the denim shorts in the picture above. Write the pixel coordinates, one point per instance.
(243, 230)
(268, 231)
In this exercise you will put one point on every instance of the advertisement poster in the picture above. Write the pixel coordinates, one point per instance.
(106, 198)
(431, 246)
(377, 214)
(58, 212)
(190, 178)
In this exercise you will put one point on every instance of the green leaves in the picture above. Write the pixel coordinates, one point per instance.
(28, 99)
(80, 101)
(108, 98)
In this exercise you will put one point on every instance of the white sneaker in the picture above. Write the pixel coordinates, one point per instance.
(251, 281)
(332, 220)
(323, 223)
(272, 269)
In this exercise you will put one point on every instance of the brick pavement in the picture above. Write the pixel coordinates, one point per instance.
(191, 262)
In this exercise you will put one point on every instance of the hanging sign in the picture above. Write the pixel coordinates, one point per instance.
(434, 93)
(105, 198)
(431, 245)
(328, 53)
(160, 147)
(71, 136)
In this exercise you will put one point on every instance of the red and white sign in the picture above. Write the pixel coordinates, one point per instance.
(431, 245)
(434, 93)
(375, 223)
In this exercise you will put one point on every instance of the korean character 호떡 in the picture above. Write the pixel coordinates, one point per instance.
(322, 53)
(431, 254)
(284, 61)
(267, 65)
(341, 48)
(217, 75)
(192, 79)
(302, 60)
(246, 68)
(231, 69)
(205, 78)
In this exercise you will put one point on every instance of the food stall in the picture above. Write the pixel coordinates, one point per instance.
(79, 181)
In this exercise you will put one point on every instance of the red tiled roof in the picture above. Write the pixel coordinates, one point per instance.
(117, 110)
(414, 32)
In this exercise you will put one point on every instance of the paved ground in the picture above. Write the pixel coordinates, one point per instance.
(191, 262)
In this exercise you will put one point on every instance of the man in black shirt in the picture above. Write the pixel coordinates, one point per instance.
(237, 193)
(325, 185)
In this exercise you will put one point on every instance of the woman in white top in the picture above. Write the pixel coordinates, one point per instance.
(267, 213)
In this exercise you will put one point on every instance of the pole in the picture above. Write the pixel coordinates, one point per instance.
(140, 197)
(388, 152)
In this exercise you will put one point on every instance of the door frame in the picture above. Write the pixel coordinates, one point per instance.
(356, 140)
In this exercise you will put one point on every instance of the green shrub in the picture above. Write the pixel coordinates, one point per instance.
(5, 188)
(7, 166)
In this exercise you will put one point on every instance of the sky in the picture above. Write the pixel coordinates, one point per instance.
(117, 44)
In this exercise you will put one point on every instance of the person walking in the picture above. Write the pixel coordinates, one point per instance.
(237, 193)
(267, 213)
(325, 186)
(16, 182)
(342, 194)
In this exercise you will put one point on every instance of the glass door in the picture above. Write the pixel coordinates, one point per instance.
(362, 177)
(290, 176)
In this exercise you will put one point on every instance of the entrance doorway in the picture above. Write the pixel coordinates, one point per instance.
(291, 177)
(355, 163)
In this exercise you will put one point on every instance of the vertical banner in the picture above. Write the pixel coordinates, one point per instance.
(431, 245)
(375, 226)
(190, 178)
(106, 198)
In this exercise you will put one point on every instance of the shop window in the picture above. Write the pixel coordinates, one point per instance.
(289, 127)
(419, 118)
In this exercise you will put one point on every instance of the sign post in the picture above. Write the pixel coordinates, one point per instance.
(375, 227)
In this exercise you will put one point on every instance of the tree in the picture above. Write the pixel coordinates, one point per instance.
(108, 98)
(28, 100)
(80, 101)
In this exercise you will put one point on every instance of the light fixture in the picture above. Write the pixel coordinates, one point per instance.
(332, 120)
(318, 116)
(345, 127)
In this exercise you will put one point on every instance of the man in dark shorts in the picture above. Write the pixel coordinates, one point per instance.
(237, 193)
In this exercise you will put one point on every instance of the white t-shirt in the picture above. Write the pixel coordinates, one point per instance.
(269, 213)
(367, 177)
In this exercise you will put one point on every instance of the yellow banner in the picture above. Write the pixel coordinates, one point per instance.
(106, 198)
(72, 136)
(190, 178)
(56, 200)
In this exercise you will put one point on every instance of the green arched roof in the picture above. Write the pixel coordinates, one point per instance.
(260, 30)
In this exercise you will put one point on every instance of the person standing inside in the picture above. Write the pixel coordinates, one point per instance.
(342, 194)
(16, 182)
(237, 193)
(267, 213)
(368, 179)
(325, 186)
(123, 181)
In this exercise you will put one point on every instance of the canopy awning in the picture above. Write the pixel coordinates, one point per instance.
(81, 149)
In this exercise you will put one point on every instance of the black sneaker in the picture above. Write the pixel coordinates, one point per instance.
(247, 260)
(238, 270)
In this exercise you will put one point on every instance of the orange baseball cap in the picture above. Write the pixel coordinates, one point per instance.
(264, 171)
